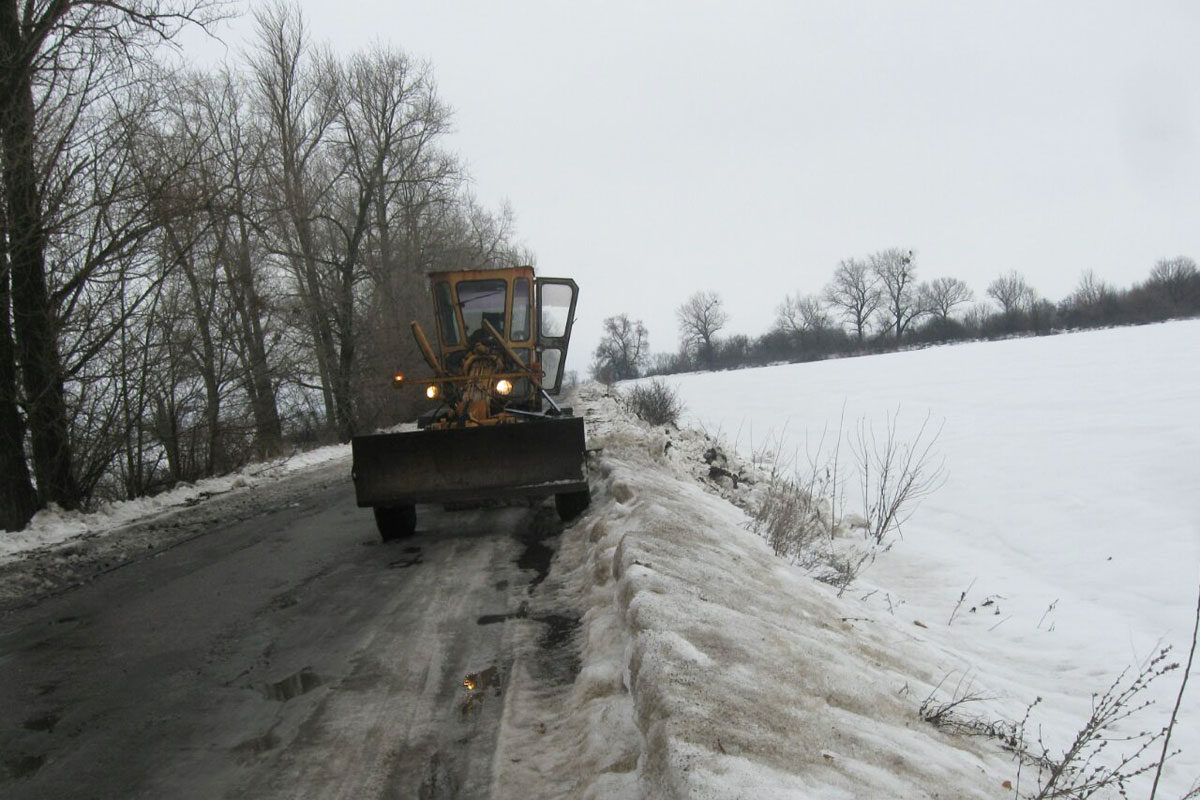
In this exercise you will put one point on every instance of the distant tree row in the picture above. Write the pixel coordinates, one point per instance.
(875, 304)
(199, 267)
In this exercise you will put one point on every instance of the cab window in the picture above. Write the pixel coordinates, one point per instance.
(556, 306)
(445, 315)
(480, 300)
(520, 311)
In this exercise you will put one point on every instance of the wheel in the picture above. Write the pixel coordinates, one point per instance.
(571, 504)
(396, 523)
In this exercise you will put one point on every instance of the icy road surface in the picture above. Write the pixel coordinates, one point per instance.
(287, 654)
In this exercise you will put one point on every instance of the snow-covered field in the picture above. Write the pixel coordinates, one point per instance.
(1071, 501)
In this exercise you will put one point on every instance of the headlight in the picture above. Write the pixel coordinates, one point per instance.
(432, 391)
(398, 380)
(504, 387)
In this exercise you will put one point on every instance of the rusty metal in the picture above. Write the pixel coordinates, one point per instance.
(427, 349)
(534, 457)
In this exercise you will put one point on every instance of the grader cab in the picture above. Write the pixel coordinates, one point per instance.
(493, 430)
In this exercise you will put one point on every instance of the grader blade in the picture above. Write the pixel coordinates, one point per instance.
(535, 457)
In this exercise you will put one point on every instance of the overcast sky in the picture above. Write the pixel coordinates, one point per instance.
(651, 149)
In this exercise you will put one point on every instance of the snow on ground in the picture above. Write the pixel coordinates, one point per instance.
(713, 669)
(54, 527)
(1070, 503)
(59, 550)
(710, 668)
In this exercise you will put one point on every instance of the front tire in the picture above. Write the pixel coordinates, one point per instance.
(571, 504)
(397, 522)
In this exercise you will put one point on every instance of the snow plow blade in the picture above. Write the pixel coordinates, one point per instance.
(538, 457)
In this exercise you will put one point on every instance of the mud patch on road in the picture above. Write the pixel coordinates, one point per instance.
(284, 601)
(557, 656)
(22, 766)
(480, 685)
(292, 686)
(557, 659)
(437, 781)
(259, 744)
(559, 630)
(537, 555)
(522, 612)
(42, 722)
(412, 557)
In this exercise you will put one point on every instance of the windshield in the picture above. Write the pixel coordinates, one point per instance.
(480, 300)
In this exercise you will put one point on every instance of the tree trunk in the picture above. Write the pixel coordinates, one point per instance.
(32, 316)
(248, 306)
(309, 280)
(18, 501)
(206, 363)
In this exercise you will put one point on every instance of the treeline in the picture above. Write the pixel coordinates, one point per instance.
(199, 267)
(877, 304)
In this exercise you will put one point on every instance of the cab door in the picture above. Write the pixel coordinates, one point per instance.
(556, 315)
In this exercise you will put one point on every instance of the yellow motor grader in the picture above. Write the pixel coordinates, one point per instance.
(494, 430)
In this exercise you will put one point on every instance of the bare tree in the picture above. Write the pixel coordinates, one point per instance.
(57, 59)
(805, 321)
(367, 200)
(180, 280)
(622, 350)
(1094, 301)
(855, 293)
(1177, 280)
(941, 295)
(1012, 293)
(298, 112)
(213, 113)
(18, 500)
(898, 282)
(802, 314)
(1091, 290)
(701, 317)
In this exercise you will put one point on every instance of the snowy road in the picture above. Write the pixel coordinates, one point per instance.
(287, 654)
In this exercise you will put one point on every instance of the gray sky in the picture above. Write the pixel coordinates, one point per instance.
(650, 149)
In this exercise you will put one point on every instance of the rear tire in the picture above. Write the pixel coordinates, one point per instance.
(571, 504)
(396, 523)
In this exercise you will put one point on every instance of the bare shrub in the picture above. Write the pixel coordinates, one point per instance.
(1187, 670)
(655, 402)
(951, 715)
(894, 476)
(841, 568)
(801, 517)
(1081, 770)
(1087, 765)
(792, 519)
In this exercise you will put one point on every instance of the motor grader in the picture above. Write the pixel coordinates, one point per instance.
(493, 430)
